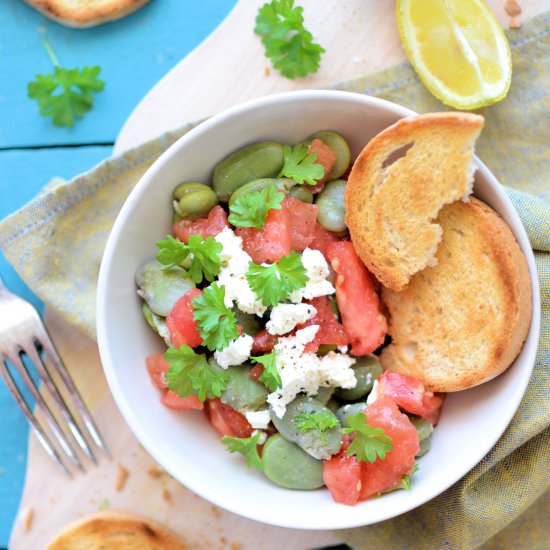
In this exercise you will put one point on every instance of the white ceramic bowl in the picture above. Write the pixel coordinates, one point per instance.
(183, 443)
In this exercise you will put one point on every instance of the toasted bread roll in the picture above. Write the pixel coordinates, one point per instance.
(85, 13)
(116, 530)
(398, 185)
(463, 321)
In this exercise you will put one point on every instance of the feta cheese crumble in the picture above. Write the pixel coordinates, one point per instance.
(306, 372)
(236, 353)
(285, 317)
(317, 271)
(259, 420)
(232, 274)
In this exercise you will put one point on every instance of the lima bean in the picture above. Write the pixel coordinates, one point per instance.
(331, 214)
(318, 445)
(340, 147)
(349, 410)
(301, 193)
(158, 324)
(250, 323)
(425, 446)
(367, 370)
(259, 160)
(423, 428)
(285, 464)
(193, 200)
(161, 288)
(283, 184)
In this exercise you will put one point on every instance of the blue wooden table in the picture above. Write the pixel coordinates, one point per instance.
(134, 53)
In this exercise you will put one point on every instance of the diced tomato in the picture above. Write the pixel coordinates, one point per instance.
(157, 367)
(322, 239)
(263, 342)
(173, 401)
(326, 157)
(383, 475)
(357, 299)
(227, 420)
(256, 371)
(330, 330)
(180, 322)
(342, 476)
(270, 243)
(303, 218)
(207, 227)
(410, 394)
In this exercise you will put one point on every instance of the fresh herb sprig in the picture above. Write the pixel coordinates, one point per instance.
(319, 421)
(251, 209)
(270, 376)
(65, 94)
(248, 447)
(300, 165)
(288, 44)
(369, 443)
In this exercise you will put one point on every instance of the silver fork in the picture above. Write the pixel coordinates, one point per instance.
(22, 333)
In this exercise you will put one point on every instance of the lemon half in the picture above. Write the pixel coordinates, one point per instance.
(458, 49)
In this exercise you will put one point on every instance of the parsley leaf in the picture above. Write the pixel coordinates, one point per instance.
(274, 283)
(369, 443)
(190, 374)
(270, 376)
(320, 421)
(201, 256)
(251, 209)
(406, 481)
(248, 447)
(299, 165)
(216, 322)
(288, 44)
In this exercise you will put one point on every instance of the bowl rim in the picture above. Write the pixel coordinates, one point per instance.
(117, 390)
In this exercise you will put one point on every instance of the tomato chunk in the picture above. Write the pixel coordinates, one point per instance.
(322, 239)
(303, 218)
(357, 299)
(342, 476)
(256, 371)
(410, 394)
(383, 475)
(326, 157)
(180, 322)
(270, 243)
(210, 226)
(263, 342)
(157, 367)
(173, 401)
(227, 420)
(330, 330)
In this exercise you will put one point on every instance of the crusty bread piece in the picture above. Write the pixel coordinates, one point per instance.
(391, 203)
(463, 321)
(116, 530)
(85, 13)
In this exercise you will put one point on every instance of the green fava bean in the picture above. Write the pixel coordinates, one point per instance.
(333, 405)
(318, 445)
(301, 193)
(241, 392)
(260, 160)
(286, 465)
(423, 428)
(324, 395)
(344, 412)
(367, 370)
(331, 206)
(341, 149)
(161, 288)
(194, 200)
(157, 323)
(425, 446)
(251, 323)
(283, 184)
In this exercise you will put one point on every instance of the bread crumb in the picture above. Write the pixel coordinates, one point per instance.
(513, 10)
(155, 472)
(28, 515)
(267, 71)
(235, 545)
(223, 540)
(122, 476)
(166, 495)
(215, 511)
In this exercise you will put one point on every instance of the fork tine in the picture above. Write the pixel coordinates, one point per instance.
(40, 434)
(49, 349)
(46, 377)
(43, 406)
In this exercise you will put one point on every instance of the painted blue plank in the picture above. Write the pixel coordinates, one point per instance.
(134, 54)
(22, 175)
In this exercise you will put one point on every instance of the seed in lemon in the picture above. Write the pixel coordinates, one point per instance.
(458, 49)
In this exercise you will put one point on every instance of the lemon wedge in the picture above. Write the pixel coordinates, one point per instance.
(458, 49)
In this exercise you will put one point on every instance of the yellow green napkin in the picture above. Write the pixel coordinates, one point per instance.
(56, 242)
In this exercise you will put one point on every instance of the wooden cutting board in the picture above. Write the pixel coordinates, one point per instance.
(229, 67)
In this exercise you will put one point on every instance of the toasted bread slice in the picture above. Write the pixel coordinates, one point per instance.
(398, 185)
(85, 13)
(116, 530)
(463, 321)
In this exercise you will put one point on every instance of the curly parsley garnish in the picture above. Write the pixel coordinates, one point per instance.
(251, 209)
(190, 374)
(288, 44)
(248, 447)
(274, 283)
(300, 165)
(369, 443)
(270, 376)
(216, 322)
